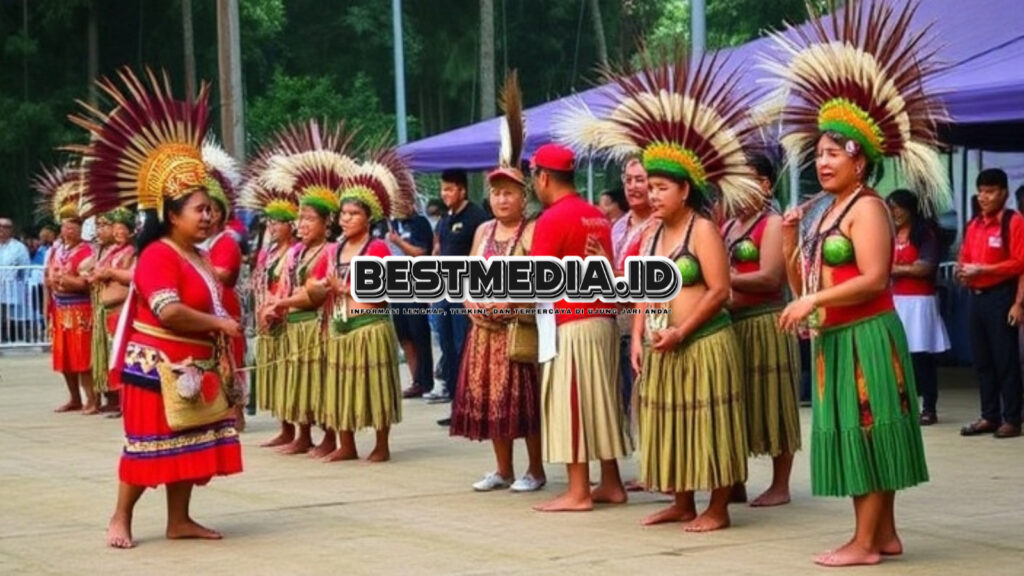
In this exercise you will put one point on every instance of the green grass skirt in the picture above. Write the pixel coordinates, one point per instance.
(271, 371)
(361, 386)
(304, 371)
(771, 360)
(692, 424)
(865, 434)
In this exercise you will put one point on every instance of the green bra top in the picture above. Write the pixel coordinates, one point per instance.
(837, 250)
(743, 249)
(686, 262)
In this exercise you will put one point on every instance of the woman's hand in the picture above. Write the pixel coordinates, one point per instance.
(667, 339)
(636, 355)
(230, 327)
(796, 312)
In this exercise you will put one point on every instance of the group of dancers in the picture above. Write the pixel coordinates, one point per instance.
(713, 375)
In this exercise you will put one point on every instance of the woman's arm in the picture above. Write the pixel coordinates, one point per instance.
(178, 317)
(790, 252)
(772, 271)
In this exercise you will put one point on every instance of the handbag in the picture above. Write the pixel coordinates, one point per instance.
(522, 341)
(186, 391)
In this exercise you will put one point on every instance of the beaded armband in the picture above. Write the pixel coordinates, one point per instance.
(161, 299)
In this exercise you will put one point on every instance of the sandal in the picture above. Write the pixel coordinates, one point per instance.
(980, 426)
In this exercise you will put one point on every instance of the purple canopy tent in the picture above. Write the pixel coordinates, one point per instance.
(983, 88)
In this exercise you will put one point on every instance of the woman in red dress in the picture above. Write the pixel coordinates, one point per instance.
(172, 340)
(71, 321)
(225, 250)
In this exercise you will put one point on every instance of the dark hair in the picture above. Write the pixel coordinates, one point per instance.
(564, 177)
(920, 227)
(699, 200)
(763, 166)
(1019, 195)
(992, 177)
(437, 203)
(975, 207)
(617, 195)
(153, 228)
(872, 171)
(455, 177)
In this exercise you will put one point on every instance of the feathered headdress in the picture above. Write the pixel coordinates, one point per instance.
(384, 184)
(862, 75)
(308, 164)
(61, 193)
(513, 132)
(147, 149)
(225, 174)
(685, 120)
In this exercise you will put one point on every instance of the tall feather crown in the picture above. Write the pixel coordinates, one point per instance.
(384, 184)
(310, 163)
(512, 132)
(224, 174)
(863, 75)
(686, 121)
(61, 193)
(147, 148)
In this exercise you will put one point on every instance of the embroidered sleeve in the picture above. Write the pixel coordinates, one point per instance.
(162, 298)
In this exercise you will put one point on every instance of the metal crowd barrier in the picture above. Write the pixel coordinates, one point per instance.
(22, 308)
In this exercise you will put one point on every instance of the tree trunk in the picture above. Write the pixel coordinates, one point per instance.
(602, 47)
(230, 64)
(487, 81)
(190, 48)
(93, 66)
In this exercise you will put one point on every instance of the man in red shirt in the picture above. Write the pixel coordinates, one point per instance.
(581, 406)
(990, 266)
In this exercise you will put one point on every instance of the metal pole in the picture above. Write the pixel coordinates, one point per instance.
(698, 29)
(396, 20)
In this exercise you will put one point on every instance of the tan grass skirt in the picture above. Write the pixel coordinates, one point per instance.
(692, 424)
(361, 386)
(271, 370)
(581, 403)
(304, 372)
(771, 360)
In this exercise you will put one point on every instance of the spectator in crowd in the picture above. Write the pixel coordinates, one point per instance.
(454, 237)
(613, 204)
(914, 267)
(990, 265)
(13, 255)
(435, 211)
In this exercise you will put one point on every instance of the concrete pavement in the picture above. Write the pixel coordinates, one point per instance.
(418, 514)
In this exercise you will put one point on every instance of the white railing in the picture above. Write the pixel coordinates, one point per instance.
(22, 307)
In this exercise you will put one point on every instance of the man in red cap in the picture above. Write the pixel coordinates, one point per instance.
(581, 406)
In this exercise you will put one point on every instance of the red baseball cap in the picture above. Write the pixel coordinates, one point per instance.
(554, 157)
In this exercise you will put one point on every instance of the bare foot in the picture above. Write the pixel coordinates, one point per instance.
(119, 532)
(707, 522)
(738, 494)
(191, 529)
(566, 503)
(298, 446)
(612, 494)
(849, 555)
(324, 448)
(69, 407)
(671, 514)
(279, 440)
(893, 547)
(343, 453)
(379, 455)
(772, 497)
(90, 410)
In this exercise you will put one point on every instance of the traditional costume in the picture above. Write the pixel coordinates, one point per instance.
(61, 191)
(861, 76)
(689, 126)
(771, 357)
(314, 171)
(147, 151)
(106, 313)
(497, 398)
(362, 384)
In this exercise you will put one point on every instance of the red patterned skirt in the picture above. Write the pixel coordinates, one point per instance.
(495, 398)
(72, 335)
(154, 454)
(113, 376)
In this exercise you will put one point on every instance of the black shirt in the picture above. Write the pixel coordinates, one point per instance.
(455, 231)
(416, 231)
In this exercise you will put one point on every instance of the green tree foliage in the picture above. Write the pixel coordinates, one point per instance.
(304, 58)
